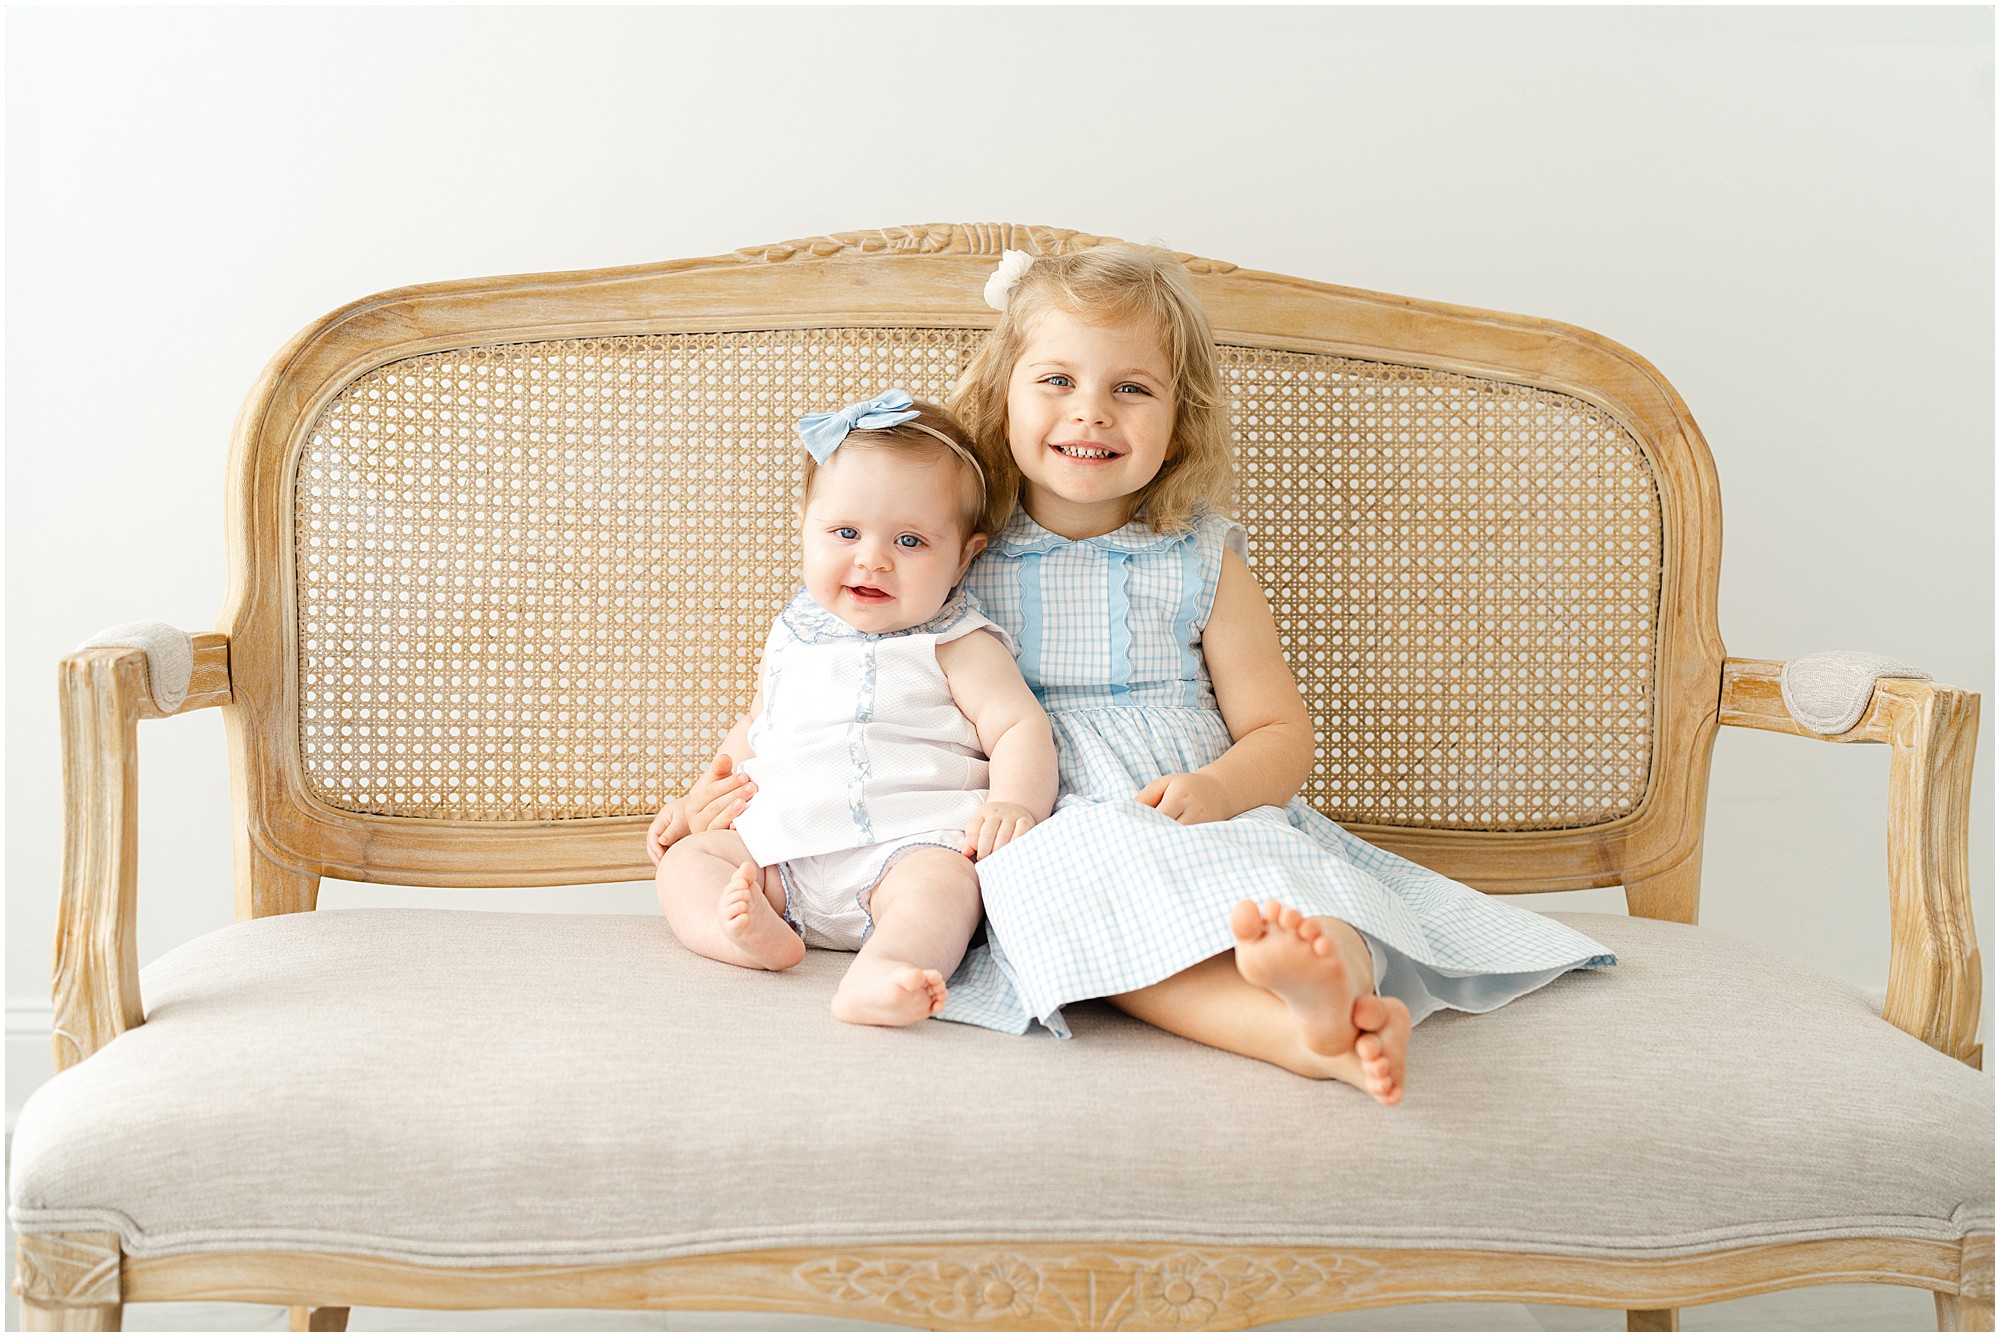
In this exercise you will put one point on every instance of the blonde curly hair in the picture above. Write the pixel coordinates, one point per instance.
(1118, 282)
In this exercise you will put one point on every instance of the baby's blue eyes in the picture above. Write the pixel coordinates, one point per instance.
(850, 533)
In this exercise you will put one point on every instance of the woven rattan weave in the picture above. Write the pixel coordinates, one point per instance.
(497, 549)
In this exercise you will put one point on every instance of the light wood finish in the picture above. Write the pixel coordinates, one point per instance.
(327, 1318)
(1056, 1286)
(69, 1282)
(929, 279)
(1673, 895)
(1931, 730)
(1652, 1320)
(1957, 1313)
(38, 1317)
(103, 695)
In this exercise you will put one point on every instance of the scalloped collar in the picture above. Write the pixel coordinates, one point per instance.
(807, 621)
(1021, 534)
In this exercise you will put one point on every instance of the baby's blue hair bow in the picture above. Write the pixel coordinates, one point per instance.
(822, 432)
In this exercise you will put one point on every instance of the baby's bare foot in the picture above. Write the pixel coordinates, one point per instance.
(888, 993)
(758, 931)
(1279, 949)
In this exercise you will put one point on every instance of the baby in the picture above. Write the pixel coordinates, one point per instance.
(891, 740)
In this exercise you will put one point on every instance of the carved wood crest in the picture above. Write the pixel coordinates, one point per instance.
(955, 239)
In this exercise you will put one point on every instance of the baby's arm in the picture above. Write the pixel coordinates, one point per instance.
(1014, 733)
(718, 795)
(1260, 702)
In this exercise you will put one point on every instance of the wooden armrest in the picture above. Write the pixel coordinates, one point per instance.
(1931, 730)
(104, 696)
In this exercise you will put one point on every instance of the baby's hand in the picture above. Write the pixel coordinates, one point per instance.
(718, 797)
(1188, 798)
(665, 830)
(993, 826)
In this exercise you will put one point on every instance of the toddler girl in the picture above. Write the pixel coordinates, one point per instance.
(1097, 401)
(888, 744)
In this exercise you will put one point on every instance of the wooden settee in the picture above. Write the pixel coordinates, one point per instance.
(502, 553)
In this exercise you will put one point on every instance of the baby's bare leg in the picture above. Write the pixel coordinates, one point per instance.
(720, 904)
(1304, 1003)
(925, 910)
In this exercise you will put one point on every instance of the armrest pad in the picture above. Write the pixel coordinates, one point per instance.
(169, 657)
(1829, 692)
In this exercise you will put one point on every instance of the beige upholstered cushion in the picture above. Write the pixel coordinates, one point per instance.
(487, 1088)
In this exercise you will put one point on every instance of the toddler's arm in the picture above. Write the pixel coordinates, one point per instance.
(1020, 750)
(1260, 702)
(718, 795)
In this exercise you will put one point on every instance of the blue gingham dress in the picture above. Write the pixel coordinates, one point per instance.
(1108, 895)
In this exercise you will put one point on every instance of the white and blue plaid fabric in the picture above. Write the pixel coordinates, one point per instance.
(1108, 895)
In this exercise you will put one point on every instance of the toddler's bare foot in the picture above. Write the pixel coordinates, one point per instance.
(887, 993)
(1382, 1047)
(1279, 949)
(758, 931)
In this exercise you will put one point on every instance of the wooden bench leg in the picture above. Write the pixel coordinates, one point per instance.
(1959, 1313)
(37, 1317)
(70, 1282)
(325, 1318)
(1652, 1320)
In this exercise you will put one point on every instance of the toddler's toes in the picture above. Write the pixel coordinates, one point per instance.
(1245, 922)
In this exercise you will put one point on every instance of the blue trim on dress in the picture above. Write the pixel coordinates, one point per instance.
(1118, 625)
(864, 711)
(808, 622)
(785, 881)
(1029, 657)
(1191, 667)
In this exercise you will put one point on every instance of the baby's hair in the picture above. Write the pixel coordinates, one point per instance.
(1116, 282)
(933, 432)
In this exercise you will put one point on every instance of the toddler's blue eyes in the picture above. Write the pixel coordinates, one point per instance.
(847, 532)
(909, 541)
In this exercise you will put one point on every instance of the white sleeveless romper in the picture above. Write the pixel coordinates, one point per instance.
(861, 755)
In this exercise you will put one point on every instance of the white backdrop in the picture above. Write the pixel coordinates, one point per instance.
(1788, 211)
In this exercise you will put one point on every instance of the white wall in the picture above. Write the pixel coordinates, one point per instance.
(1789, 211)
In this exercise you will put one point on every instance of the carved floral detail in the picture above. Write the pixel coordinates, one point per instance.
(953, 239)
(1094, 1291)
(73, 1270)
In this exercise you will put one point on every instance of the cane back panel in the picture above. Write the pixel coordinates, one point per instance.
(532, 579)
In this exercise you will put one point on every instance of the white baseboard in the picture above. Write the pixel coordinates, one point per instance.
(30, 1061)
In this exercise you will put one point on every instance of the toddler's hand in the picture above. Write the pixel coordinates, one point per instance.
(993, 826)
(716, 799)
(1188, 798)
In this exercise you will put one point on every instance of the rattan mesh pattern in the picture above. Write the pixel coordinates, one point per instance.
(533, 579)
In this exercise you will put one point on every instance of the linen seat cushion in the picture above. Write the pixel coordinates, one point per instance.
(479, 1088)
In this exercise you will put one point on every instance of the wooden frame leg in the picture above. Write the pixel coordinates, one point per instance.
(324, 1318)
(1652, 1320)
(1963, 1313)
(70, 1282)
(1674, 895)
(38, 1317)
